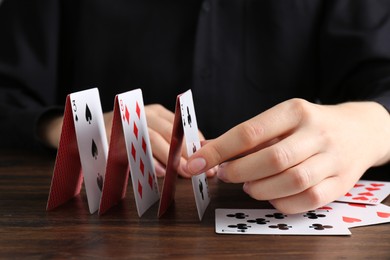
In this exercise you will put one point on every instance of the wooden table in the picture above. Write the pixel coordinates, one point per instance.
(28, 231)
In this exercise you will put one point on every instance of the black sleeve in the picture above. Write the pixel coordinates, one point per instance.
(28, 68)
(355, 51)
(355, 56)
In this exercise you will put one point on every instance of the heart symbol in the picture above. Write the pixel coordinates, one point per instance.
(377, 184)
(372, 189)
(383, 214)
(357, 205)
(358, 185)
(366, 194)
(360, 198)
(348, 194)
(351, 220)
(326, 208)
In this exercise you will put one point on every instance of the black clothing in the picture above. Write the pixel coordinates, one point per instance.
(239, 57)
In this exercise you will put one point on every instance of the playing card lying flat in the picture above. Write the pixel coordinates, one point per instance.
(367, 192)
(272, 222)
(356, 215)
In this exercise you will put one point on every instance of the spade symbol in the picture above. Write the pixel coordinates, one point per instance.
(99, 181)
(193, 148)
(201, 189)
(189, 116)
(88, 115)
(94, 150)
(77, 118)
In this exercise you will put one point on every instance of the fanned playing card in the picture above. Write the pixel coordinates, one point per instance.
(184, 123)
(91, 144)
(139, 153)
(367, 192)
(272, 222)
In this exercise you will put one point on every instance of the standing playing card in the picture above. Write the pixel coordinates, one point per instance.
(184, 123)
(91, 141)
(356, 215)
(272, 222)
(191, 136)
(67, 176)
(169, 184)
(83, 145)
(367, 192)
(138, 148)
(117, 171)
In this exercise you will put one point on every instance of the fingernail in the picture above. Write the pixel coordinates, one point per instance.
(245, 187)
(221, 173)
(197, 165)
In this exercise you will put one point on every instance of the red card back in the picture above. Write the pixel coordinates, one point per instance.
(169, 185)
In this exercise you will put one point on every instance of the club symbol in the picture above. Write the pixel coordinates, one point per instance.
(321, 227)
(276, 215)
(241, 227)
(94, 150)
(88, 115)
(312, 215)
(201, 188)
(99, 180)
(238, 215)
(281, 226)
(189, 116)
(259, 221)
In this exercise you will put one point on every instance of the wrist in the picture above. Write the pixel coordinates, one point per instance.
(49, 129)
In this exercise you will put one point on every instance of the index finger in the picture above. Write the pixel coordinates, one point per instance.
(264, 127)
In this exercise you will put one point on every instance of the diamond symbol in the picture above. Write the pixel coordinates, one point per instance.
(137, 110)
(150, 181)
(126, 116)
(133, 151)
(142, 166)
(143, 145)
(135, 130)
(139, 189)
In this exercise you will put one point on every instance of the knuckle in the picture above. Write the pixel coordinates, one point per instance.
(280, 157)
(249, 133)
(316, 197)
(301, 178)
(300, 108)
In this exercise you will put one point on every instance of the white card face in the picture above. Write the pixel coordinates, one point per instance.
(91, 142)
(367, 192)
(192, 140)
(135, 129)
(272, 222)
(356, 215)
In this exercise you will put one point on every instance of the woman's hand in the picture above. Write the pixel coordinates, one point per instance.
(300, 155)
